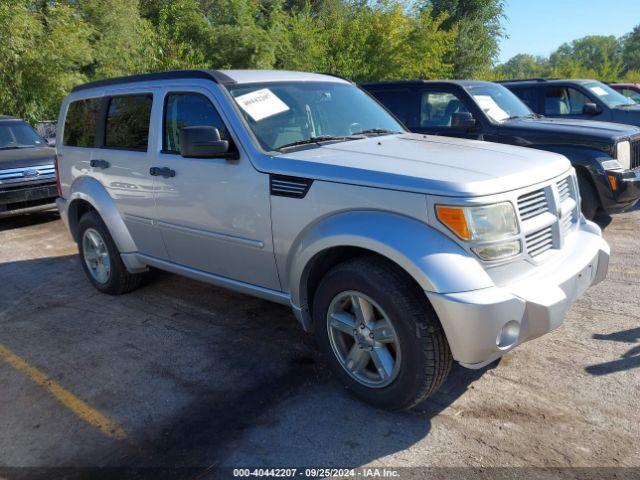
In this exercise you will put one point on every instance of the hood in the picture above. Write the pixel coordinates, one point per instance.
(424, 163)
(630, 114)
(574, 130)
(26, 157)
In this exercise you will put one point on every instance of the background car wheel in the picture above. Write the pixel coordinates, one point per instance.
(379, 333)
(590, 202)
(100, 258)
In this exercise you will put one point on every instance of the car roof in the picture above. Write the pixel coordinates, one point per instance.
(544, 81)
(393, 83)
(225, 77)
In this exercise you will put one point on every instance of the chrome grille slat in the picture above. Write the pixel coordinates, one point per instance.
(635, 154)
(18, 173)
(532, 204)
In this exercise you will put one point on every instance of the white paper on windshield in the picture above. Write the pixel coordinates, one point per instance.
(601, 92)
(491, 108)
(261, 104)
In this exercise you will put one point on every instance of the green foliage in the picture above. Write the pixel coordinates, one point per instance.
(604, 58)
(42, 56)
(631, 49)
(479, 31)
(48, 46)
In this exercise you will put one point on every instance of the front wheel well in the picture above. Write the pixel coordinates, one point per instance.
(325, 260)
(76, 210)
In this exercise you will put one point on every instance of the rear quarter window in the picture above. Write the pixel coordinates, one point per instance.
(127, 124)
(80, 125)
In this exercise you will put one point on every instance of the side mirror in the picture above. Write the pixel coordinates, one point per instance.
(590, 109)
(204, 142)
(51, 142)
(463, 120)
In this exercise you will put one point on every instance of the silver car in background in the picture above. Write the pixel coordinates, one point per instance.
(400, 252)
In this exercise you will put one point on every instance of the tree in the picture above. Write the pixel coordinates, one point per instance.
(631, 49)
(123, 43)
(523, 66)
(44, 49)
(479, 31)
(593, 56)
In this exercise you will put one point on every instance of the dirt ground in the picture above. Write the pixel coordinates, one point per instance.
(183, 374)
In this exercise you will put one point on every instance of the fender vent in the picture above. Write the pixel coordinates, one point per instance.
(293, 187)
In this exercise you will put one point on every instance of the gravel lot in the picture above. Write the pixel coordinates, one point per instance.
(199, 377)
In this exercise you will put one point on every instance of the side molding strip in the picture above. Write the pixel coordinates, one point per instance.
(224, 282)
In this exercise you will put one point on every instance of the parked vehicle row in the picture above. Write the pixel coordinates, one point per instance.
(27, 175)
(603, 154)
(400, 251)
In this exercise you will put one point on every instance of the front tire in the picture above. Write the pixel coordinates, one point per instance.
(379, 333)
(100, 258)
(589, 197)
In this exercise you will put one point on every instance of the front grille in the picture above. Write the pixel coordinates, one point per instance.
(635, 154)
(548, 215)
(533, 204)
(539, 242)
(27, 173)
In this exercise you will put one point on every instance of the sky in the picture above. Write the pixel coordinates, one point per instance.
(539, 27)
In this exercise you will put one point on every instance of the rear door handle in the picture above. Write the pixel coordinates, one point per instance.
(99, 164)
(165, 172)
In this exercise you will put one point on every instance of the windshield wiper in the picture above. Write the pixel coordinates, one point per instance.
(318, 139)
(10, 147)
(374, 131)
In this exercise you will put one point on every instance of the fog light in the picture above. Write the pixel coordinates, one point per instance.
(508, 335)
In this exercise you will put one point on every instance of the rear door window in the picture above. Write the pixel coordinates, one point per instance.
(80, 127)
(528, 96)
(127, 124)
(401, 103)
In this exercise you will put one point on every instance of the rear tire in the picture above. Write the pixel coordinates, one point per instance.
(100, 258)
(589, 197)
(418, 362)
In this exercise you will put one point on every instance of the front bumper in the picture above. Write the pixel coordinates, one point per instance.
(27, 198)
(482, 325)
(627, 192)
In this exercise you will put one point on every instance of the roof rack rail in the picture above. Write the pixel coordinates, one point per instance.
(533, 79)
(213, 75)
(335, 75)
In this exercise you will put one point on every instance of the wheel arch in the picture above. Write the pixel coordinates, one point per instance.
(432, 260)
(87, 194)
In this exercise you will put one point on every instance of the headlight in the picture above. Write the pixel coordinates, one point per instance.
(495, 223)
(623, 154)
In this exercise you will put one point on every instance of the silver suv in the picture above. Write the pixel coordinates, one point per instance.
(401, 252)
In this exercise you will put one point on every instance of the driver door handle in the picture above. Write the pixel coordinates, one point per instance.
(165, 172)
(99, 163)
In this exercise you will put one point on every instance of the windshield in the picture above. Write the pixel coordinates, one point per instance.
(608, 95)
(498, 102)
(18, 135)
(287, 114)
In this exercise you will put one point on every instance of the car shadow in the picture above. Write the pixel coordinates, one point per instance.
(28, 219)
(629, 360)
(602, 219)
(198, 377)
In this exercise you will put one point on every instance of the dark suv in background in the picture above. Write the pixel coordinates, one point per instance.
(602, 153)
(27, 172)
(585, 99)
